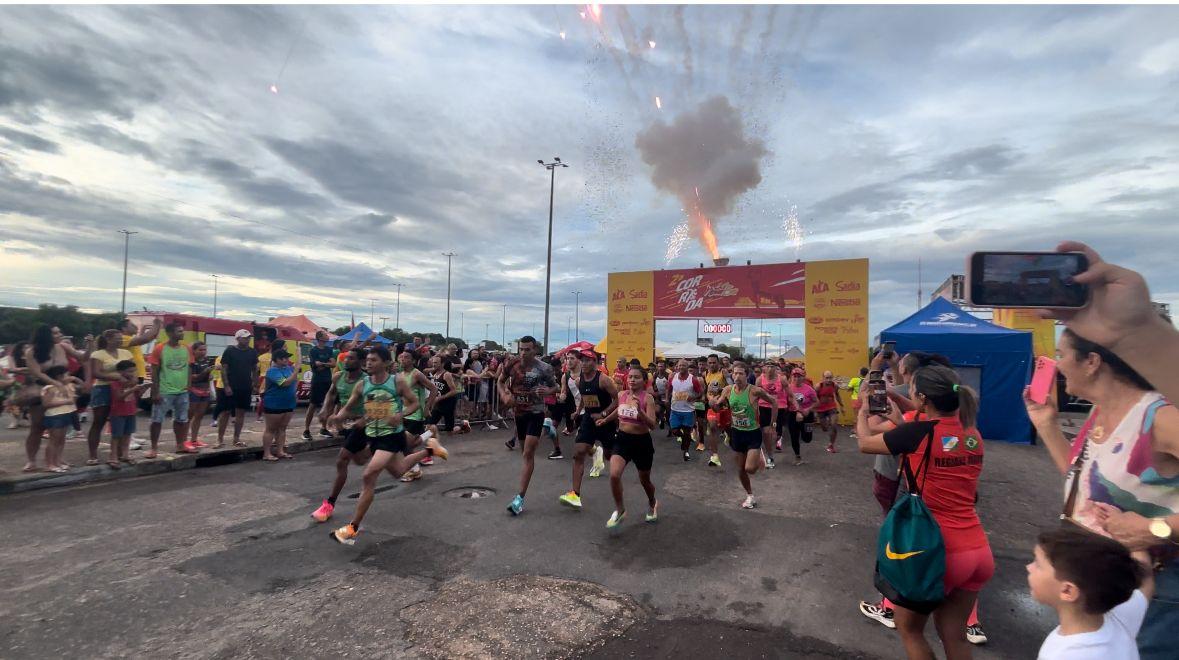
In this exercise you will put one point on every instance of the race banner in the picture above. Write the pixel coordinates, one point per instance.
(837, 322)
(769, 291)
(630, 330)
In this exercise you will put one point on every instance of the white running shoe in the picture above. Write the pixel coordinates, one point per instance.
(599, 458)
(878, 614)
(749, 503)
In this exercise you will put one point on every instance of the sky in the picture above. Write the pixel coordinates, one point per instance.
(400, 133)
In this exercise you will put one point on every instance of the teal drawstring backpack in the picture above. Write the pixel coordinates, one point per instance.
(910, 553)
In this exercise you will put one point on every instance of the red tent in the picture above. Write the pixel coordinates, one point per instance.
(300, 323)
(576, 346)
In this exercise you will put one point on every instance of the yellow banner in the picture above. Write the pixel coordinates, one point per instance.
(630, 319)
(837, 322)
(1043, 330)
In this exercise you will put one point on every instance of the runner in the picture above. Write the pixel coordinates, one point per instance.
(636, 415)
(239, 375)
(773, 383)
(800, 420)
(661, 379)
(621, 369)
(853, 386)
(829, 408)
(443, 407)
(700, 405)
(720, 418)
(599, 397)
(523, 385)
(415, 425)
(171, 376)
(278, 404)
(746, 437)
(683, 392)
(322, 359)
(199, 394)
(386, 399)
(343, 383)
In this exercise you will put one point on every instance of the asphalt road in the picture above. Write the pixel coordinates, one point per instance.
(225, 562)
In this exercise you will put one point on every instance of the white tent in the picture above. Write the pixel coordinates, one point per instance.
(688, 350)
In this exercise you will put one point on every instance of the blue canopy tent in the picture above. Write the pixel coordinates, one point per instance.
(994, 360)
(361, 332)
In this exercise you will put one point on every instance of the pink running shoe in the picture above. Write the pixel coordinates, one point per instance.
(429, 460)
(323, 512)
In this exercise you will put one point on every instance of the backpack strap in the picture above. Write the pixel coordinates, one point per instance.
(1078, 454)
(922, 468)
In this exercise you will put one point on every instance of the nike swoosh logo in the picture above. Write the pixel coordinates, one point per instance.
(899, 555)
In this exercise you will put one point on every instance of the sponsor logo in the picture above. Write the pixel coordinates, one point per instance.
(844, 302)
(819, 304)
(971, 442)
(820, 287)
(949, 443)
(948, 319)
(945, 316)
(815, 320)
(844, 285)
(899, 555)
(618, 295)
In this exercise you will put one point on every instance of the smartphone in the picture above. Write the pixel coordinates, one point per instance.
(877, 394)
(1026, 279)
(1043, 380)
(888, 349)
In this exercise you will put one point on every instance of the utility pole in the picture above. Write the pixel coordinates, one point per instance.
(383, 319)
(503, 328)
(214, 295)
(372, 311)
(462, 325)
(486, 332)
(449, 256)
(126, 250)
(568, 329)
(577, 315)
(397, 322)
(548, 269)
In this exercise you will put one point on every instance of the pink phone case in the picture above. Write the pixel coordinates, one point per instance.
(1043, 380)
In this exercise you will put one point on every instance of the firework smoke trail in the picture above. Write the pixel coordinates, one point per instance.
(793, 229)
(675, 242)
(738, 47)
(682, 32)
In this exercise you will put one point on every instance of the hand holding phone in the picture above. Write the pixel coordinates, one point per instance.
(1043, 380)
(1027, 279)
(877, 393)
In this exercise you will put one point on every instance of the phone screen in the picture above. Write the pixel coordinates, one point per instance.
(1027, 279)
(877, 395)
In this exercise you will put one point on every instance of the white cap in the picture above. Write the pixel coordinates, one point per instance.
(241, 333)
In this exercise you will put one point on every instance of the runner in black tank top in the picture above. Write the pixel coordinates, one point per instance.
(599, 397)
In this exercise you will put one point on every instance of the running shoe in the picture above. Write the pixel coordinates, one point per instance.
(517, 505)
(769, 463)
(511, 444)
(467, 427)
(699, 446)
(595, 472)
(323, 512)
(571, 499)
(687, 456)
(556, 455)
(974, 634)
(74, 435)
(881, 615)
(346, 534)
(439, 450)
(199, 444)
(653, 515)
(412, 474)
(324, 433)
(599, 458)
(832, 450)
(798, 460)
(14, 424)
(191, 448)
(714, 461)
(778, 444)
(427, 461)
(749, 502)
(306, 435)
(615, 519)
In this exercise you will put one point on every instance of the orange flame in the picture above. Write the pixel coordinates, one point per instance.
(708, 238)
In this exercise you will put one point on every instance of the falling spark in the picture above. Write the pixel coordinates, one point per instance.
(658, 103)
(651, 44)
(675, 242)
(562, 35)
(582, 14)
(274, 89)
(793, 229)
(596, 10)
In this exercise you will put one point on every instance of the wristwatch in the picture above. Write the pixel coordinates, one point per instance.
(1161, 529)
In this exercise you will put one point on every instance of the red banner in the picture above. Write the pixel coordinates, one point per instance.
(771, 291)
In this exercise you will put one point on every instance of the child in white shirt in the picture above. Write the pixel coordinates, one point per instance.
(1100, 594)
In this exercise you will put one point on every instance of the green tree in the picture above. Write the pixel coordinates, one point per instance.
(17, 323)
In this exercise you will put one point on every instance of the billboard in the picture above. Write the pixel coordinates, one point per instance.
(770, 291)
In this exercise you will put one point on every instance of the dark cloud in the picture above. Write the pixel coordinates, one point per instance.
(111, 138)
(29, 141)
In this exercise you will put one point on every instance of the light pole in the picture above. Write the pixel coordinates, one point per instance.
(449, 256)
(503, 329)
(486, 331)
(462, 325)
(214, 296)
(548, 268)
(383, 319)
(568, 329)
(126, 250)
(577, 316)
(397, 321)
(372, 312)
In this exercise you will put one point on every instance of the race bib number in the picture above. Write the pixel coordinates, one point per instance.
(680, 396)
(741, 421)
(590, 401)
(523, 398)
(377, 409)
(799, 398)
(628, 412)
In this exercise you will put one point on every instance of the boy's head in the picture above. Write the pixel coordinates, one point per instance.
(126, 368)
(1082, 569)
(55, 372)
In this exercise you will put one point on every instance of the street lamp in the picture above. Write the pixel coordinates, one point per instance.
(383, 319)
(397, 321)
(503, 329)
(214, 295)
(372, 312)
(577, 315)
(126, 249)
(548, 268)
(449, 256)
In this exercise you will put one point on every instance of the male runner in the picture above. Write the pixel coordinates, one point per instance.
(829, 408)
(322, 361)
(443, 408)
(340, 393)
(661, 379)
(700, 405)
(746, 436)
(386, 400)
(415, 424)
(719, 415)
(683, 391)
(599, 397)
(523, 384)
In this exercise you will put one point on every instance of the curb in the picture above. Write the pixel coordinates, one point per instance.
(21, 483)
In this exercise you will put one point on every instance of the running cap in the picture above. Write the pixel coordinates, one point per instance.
(587, 353)
(241, 333)
(797, 372)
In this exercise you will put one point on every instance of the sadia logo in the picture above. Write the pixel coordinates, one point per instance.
(819, 287)
(945, 316)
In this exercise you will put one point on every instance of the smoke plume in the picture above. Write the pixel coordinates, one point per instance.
(705, 159)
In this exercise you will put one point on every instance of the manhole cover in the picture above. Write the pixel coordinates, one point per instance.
(470, 492)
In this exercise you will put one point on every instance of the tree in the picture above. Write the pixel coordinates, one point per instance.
(17, 323)
(734, 352)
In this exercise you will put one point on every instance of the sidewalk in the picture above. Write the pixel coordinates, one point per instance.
(12, 453)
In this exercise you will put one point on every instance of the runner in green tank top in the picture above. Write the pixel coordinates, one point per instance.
(415, 422)
(745, 437)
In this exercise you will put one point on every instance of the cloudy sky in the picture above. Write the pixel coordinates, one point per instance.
(399, 133)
